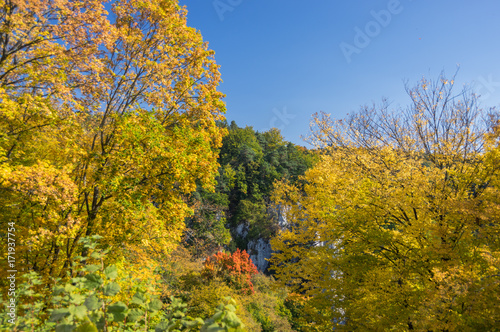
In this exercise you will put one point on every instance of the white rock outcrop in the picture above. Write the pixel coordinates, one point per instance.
(260, 249)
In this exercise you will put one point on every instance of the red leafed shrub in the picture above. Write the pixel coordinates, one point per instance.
(235, 269)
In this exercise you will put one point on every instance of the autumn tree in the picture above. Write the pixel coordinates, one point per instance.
(396, 227)
(236, 269)
(108, 122)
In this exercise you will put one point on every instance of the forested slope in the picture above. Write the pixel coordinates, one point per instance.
(241, 210)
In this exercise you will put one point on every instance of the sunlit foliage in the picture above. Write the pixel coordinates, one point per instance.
(396, 228)
(107, 121)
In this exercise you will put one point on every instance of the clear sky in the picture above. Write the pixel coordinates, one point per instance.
(283, 60)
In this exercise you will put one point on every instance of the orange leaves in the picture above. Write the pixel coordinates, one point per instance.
(236, 269)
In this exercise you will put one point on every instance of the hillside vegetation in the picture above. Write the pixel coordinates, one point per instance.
(129, 203)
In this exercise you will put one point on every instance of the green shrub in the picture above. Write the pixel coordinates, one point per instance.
(85, 304)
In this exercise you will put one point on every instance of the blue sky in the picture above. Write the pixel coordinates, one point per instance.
(283, 60)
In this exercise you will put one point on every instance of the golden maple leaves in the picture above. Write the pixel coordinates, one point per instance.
(106, 125)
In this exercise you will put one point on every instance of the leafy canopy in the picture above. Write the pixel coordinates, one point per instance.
(107, 121)
(396, 226)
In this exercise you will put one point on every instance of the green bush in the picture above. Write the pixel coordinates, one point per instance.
(85, 304)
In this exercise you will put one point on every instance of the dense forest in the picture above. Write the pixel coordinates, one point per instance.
(129, 203)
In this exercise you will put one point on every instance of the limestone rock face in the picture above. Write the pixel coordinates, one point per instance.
(260, 249)
(242, 230)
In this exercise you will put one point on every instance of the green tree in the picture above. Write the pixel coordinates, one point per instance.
(94, 301)
(251, 162)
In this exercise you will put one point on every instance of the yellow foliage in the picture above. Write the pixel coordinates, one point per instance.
(106, 126)
(396, 226)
